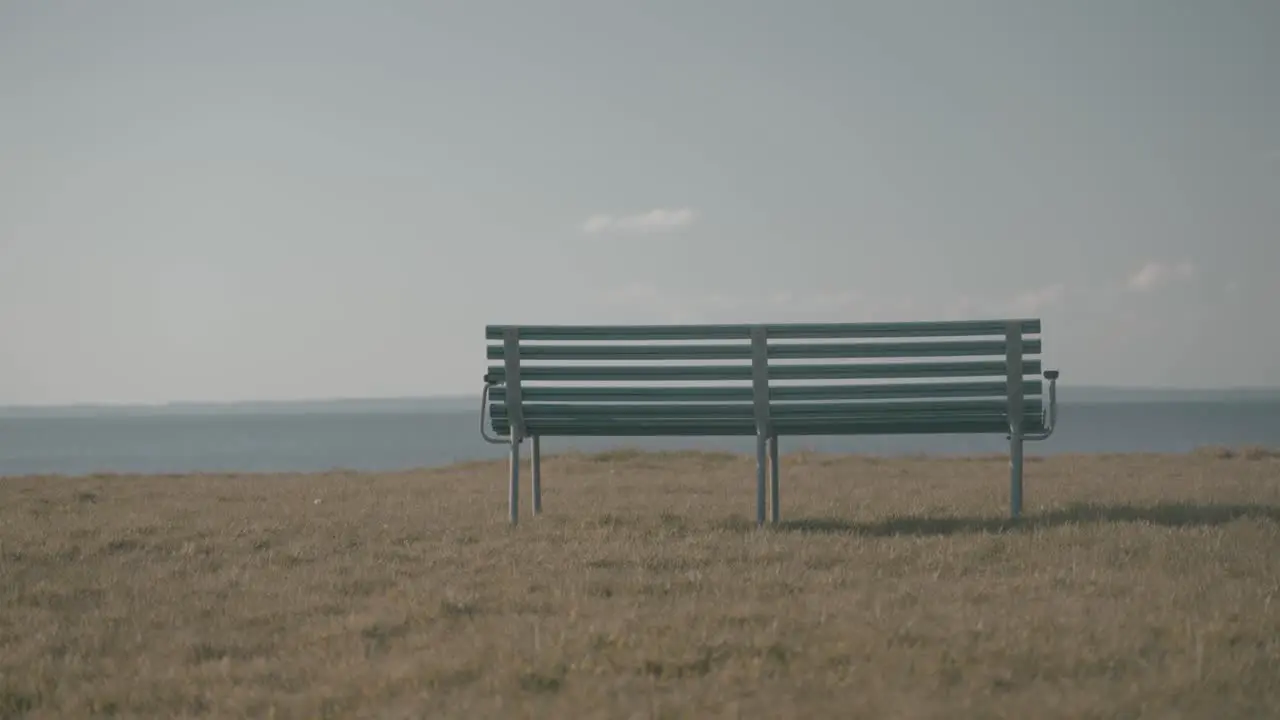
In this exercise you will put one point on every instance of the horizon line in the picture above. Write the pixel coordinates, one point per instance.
(469, 397)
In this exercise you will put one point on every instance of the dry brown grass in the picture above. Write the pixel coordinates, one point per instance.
(1138, 586)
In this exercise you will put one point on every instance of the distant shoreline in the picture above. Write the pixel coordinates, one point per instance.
(467, 403)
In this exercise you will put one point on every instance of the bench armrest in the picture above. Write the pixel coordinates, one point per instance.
(484, 408)
(1051, 412)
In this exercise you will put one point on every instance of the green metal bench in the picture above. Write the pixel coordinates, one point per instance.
(767, 381)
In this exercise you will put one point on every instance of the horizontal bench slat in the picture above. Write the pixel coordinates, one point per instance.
(799, 426)
(745, 411)
(956, 328)
(597, 373)
(901, 390)
(742, 351)
(961, 348)
(544, 393)
(551, 393)
(743, 331)
(623, 332)
(865, 371)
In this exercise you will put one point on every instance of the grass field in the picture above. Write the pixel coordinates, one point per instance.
(1136, 586)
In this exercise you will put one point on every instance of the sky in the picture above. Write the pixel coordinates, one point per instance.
(257, 199)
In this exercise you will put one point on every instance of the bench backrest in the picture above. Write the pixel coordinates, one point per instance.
(794, 379)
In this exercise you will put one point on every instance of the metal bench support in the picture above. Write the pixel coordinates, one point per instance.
(775, 513)
(760, 396)
(511, 359)
(513, 494)
(1013, 363)
(535, 474)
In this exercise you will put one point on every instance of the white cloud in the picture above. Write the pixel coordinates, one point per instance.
(1155, 275)
(658, 220)
(1034, 301)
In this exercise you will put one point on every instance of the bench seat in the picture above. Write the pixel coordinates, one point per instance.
(634, 420)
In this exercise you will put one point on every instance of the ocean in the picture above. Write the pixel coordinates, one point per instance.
(266, 441)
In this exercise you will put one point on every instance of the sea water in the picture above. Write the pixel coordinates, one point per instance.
(393, 440)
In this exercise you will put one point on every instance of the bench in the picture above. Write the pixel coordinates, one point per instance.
(766, 381)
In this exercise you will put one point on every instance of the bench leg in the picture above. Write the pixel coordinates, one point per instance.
(1015, 476)
(761, 463)
(535, 475)
(775, 513)
(513, 495)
